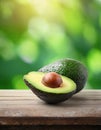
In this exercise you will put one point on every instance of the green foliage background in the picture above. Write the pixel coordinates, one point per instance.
(34, 33)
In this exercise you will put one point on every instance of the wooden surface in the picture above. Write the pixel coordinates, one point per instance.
(22, 107)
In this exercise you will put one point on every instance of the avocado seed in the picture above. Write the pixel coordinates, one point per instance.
(52, 80)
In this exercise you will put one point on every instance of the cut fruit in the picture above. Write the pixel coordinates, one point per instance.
(70, 68)
(50, 94)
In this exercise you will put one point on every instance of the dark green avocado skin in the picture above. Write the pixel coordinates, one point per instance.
(49, 98)
(70, 68)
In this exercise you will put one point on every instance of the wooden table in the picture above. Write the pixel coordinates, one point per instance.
(22, 110)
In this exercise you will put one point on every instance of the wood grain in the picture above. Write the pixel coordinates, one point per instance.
(22, 107)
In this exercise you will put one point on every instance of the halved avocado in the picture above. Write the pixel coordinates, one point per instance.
(50, 94)
(70, 68)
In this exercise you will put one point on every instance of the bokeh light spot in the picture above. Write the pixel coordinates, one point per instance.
(94, 60)
(28, 50)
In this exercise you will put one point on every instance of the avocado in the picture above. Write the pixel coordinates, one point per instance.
(70, 68)
(50, 91)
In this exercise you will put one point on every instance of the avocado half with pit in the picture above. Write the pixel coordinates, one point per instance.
(50, 87)
(70, 68)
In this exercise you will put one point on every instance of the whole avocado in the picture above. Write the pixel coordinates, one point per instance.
(70, 68)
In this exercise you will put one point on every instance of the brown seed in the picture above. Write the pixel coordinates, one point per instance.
(52, 80)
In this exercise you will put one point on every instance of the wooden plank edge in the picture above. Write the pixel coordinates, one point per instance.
(50, 121)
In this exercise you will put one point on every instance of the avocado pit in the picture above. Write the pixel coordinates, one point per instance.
(52, 80)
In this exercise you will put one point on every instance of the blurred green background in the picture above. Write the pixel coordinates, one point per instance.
(34, 33)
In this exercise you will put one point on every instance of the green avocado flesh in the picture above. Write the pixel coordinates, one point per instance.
(35, 78)
(50, 95)
(70, 68)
